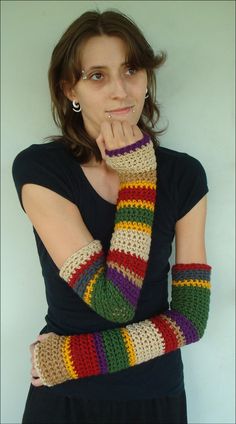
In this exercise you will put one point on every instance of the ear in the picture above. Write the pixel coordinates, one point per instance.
(68, 90)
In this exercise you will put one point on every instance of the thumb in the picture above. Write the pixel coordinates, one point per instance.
(44, 336)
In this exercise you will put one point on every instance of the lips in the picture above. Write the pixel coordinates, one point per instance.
(124, 109)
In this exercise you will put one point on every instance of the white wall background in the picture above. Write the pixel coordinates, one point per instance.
(196, 89)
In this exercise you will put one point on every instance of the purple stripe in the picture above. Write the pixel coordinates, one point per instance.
(124, 285)
(190, 332)
(127, 149)
(101, 353)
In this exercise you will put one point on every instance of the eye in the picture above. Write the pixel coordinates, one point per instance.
(95, 75)
(132, 70)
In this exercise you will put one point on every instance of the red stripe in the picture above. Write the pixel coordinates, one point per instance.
(129, 261)
(78, 272)
(137, 193)
(84, 355)
(179, 267)
(171, 341)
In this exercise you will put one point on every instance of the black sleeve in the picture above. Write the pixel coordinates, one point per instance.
(43, 166)
(191, 184)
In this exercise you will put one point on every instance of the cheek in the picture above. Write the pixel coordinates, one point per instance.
(94, 102)
(94, 111)
(139, 89)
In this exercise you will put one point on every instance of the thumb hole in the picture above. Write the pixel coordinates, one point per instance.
(42, 337)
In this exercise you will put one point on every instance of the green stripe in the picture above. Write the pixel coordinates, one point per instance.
(116, 353)
(116, 303)
(145, 216)
(193, 303)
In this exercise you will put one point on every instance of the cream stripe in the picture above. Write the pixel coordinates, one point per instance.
(135, 242)
(139, 159)
(79, 258)
(147, 340)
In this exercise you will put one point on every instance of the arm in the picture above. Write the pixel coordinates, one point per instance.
(108, 351)
(110, 286)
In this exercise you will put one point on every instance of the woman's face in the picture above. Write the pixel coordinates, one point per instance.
(110, 84)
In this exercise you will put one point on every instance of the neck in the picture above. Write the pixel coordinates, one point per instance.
(92, 163)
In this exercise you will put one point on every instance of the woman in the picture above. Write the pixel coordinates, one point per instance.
(106, 202)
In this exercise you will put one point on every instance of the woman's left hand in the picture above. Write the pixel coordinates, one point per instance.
(35, 380)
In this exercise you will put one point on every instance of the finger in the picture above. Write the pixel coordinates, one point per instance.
(107, 132)
(128, 131)
(119, 135)
(34, 373)
(137, 133)
(36, 382)
(32, 346)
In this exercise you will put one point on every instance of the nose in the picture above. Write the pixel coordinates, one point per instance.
(118, 88)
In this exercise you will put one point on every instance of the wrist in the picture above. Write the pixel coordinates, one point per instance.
(136, 158)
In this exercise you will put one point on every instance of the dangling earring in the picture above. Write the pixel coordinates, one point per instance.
(76, 107)
(146, 93)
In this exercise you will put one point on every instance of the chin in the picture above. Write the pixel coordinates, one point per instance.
(130, 119)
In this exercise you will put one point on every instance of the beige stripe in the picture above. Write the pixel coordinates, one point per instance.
(133, 177)
(148, 342)
(48, 360)
(136, 160)
(79, 258)
(133, 242)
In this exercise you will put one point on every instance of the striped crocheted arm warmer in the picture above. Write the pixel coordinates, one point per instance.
(111, 286)
(62, 358)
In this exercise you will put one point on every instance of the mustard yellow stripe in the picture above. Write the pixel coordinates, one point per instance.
(138, 183)
(137, 226)
(135, 203)
(129, 346)
(89, 288)
(68, 360)
(195, 283)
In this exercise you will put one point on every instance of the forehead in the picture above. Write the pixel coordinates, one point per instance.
(103, 51)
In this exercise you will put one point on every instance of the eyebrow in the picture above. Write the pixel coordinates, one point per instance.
(102, 66)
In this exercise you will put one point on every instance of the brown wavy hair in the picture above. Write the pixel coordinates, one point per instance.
(65, 66)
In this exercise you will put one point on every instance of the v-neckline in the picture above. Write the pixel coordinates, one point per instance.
(113, 205)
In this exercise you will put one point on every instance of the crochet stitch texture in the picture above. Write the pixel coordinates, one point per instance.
(111, 285)
(62, 358)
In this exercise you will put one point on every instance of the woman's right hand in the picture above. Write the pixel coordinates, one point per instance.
(117, 134)
(35, 379)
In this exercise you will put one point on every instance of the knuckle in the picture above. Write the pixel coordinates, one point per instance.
(104, 125)
(116, 123)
